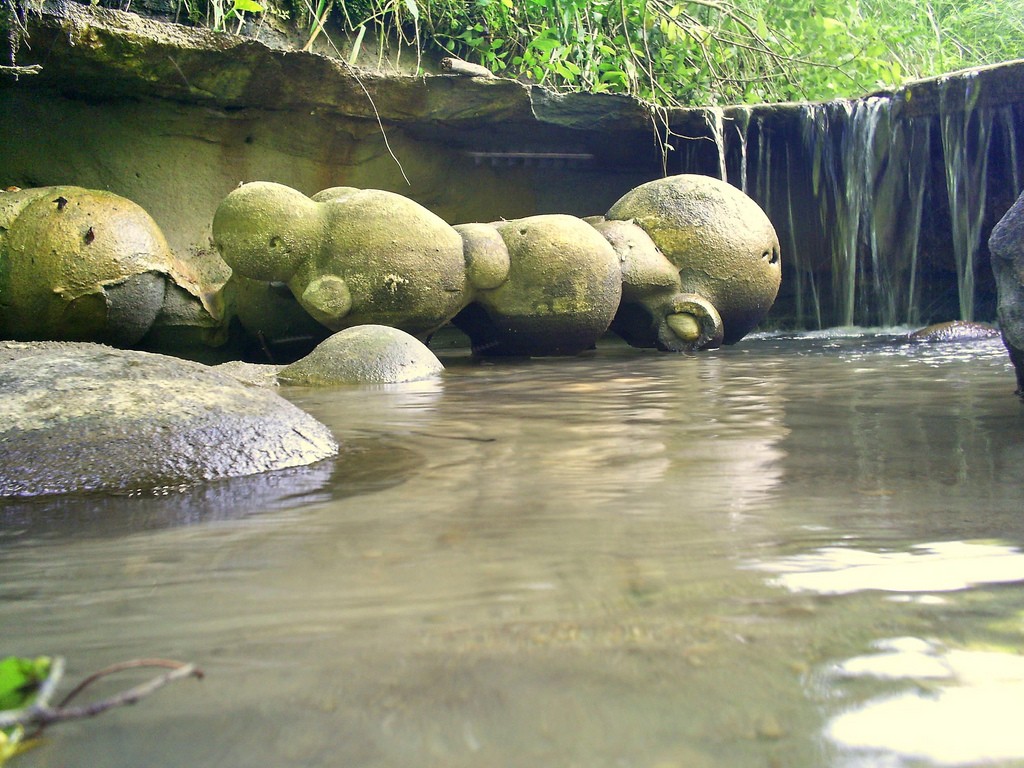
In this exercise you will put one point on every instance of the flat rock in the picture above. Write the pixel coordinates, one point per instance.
(85, 417)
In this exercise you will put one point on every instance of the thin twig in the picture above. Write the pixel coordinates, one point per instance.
(114, 669)
(41, 715)
(130, 696)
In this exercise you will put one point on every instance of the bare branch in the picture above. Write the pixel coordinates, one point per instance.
(41, 714)
(28, 69)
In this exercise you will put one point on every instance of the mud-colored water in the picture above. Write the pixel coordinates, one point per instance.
(799, 551)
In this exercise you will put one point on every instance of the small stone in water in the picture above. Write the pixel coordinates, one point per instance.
(768, 727)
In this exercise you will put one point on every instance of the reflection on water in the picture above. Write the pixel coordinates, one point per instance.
(937, 567)
(952, 707)
(368, 464)
(621, 559)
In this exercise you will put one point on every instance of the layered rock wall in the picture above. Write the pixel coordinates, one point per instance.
(876, 201)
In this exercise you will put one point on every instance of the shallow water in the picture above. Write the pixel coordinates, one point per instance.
(798, 551)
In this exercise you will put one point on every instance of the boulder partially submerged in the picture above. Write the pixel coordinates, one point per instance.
(85, 417)
(1007, 248)
(365, 354)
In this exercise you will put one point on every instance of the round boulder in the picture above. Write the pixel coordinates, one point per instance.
(365, 354)
(350, 256)
(79, 264)
(721, 242)
(84, 417)
(563, 286)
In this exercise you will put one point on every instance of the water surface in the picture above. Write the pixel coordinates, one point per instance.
(798, 551)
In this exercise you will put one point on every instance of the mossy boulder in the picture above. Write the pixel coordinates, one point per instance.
(365, 354)
(564, 284)
(486, 255)
(273, 319)
(654, 311)
(85, 417)
(723, 246)
(79, 264)
(351, 257)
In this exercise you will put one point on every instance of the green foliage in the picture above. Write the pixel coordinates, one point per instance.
(20, 680)
(672, 52)
(721, 51)
(217, 13)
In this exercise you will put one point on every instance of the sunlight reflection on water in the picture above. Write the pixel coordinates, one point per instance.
(956, 706)
(937, 567)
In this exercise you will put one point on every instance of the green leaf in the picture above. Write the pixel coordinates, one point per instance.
(762, 27)
(20, 680)
(247, 5)
(544, 44)
(414, 10)
(357, 45)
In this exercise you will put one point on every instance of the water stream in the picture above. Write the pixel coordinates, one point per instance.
(803, 550)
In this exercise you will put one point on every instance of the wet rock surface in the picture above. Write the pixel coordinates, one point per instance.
(84, 417)
(954, 330)
(719, 240)
(366, 354)
(1007, 248)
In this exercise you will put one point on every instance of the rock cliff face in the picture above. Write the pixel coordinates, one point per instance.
(174, 118)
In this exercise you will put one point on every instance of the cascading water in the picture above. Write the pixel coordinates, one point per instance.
(1005, 118)
(965, 143)
(879, 207)
(741, 119)
(716, 122)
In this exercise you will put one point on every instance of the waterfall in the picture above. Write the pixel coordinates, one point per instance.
(881, 204)
(715, 117)
(1007, 122)
(852, 170)
(965, 143)
(741, 118)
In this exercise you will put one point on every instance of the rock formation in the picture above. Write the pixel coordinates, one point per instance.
(1006, 245)
(684, 262)
(84, 417)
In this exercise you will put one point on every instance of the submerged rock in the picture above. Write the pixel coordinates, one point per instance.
(954, 330)
(1007, 248)
(84, 417)
(366, 354)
